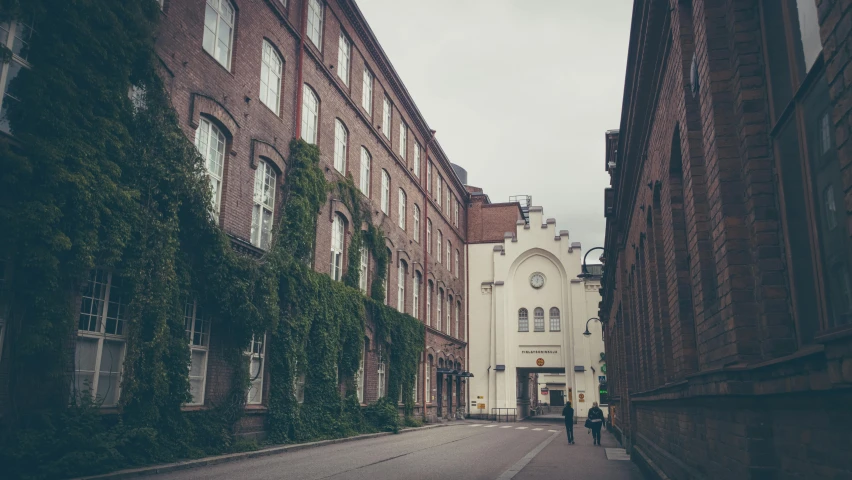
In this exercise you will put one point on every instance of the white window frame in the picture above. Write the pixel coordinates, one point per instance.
(385, 192)
(456, 214)
(403, 139)
(428, 374)
(457, 263)
(438, 318)
(449, 312)
(429, 177)
(449, 255)
(416, 214)
(387, 117)
(199, 343)
(362, 278)
(6, 69)
(221, 53)
(416, 159)
(271, 66)
(315, 23)
(367, 91)
(214, 156)
(265, 184)
(429, 290)
(401, 208)
(415, 294)
(449, 200)
(344, 55)
(438, 243)
(101, 292)
(438, 182)
(380, 373)
(310, 114)
(538, 319)
(341, 142)
(338, 231)
(400, 287)
(364, 180)
(523, 320)
(429, 236)
(359, 388)
(555, 318)
(456, 325)
(256, 354)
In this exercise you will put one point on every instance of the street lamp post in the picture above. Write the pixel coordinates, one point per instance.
(587, 332)
(586, 273)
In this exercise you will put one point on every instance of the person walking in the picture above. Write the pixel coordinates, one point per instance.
(568, 413)
(596, 417)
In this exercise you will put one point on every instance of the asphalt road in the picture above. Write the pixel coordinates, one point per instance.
(464, 450)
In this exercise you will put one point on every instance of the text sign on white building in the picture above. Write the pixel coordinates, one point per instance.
(540, 356)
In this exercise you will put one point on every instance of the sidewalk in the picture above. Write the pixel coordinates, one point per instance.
(581, 460)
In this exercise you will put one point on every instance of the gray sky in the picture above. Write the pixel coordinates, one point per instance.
(519, 91)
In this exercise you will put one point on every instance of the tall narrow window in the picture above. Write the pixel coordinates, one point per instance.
(403, 139)
(555, 321)
(416, 223)
(299, 383)
(315, 14)
(264, 205)
(416, 159)
(341, 138)
(438, 246)
(270, 77)
(386, 117)
(385, 192)
(198, 332)
(310, 115)
(101, 340)
(429, 177)
(16, 37)
(364, 181)
(414, 391)
(400, 287)
(255, 355)
(429, 236)
(359, 388)
(210, 142)
(429, 291)
(449, 255)
(438, 182)
(428, 374)
(456, 214)
(401, 208)
(438, 312)
(449, 311)
(343, 52)
(456, 264)
(337, 232)
(539, 319)
(219, 31)
(456, 324)
(523, 320)
(367, 91)
(449, 198)
(380, 377)
(362, 277)
(415, 307)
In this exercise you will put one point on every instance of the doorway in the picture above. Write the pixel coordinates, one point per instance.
(557, 398)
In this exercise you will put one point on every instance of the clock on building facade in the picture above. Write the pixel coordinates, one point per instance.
(537, 280)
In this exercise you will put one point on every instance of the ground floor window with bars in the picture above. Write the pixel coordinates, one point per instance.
(198, 332)
(256, 353)
(101, 340)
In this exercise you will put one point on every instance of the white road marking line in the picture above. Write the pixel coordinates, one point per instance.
(489, 426)
(520, 464)
(537, 429)
(507, 426)
(553, 430)
(521, 428)
(476, 425)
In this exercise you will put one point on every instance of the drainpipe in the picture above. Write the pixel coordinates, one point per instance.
(300, 87)
(424, 164)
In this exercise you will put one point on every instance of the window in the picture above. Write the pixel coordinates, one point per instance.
(387, 278)
(415, 307)
(416, 223)
(310, 115)
(337, 232)
(255, 355)
(315, 22)
(340, 142)
(449, 255)
(219, 31)
(270, 77)
(555, 322)
(438, 182)
(385, 192)
(429, 236)
(429, 290)
(364, 181)
(429, 177)
(386, 117)
(428, 375)
(198, 332)
(438, 316)
(414, 391)
(101, 340)
(362, 277)
(380, 378)
(449, 198)
(539, 319)
(403, 139)
(264, 206)
(456, 325)
(360, 378)
(456, 214)
(416, 159)
(367, 91)
(457, 263)
(449, 310)
(401, 209)
(438, 246)
(16, 37)
(343, 50)
(299, 383)
(400, 287)
(210, 142)
(523, 320)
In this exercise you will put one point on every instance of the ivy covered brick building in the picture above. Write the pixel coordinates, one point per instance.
(727, 299)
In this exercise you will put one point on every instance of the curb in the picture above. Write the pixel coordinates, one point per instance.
(233, 457)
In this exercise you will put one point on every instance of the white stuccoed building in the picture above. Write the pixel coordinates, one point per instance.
(528, 312)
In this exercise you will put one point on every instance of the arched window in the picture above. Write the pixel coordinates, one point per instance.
(401, 208)
(449, 255)
(364, 181)
(438, 245)
(438, 316)
(219, 31)
(523, 320)
(449, 313)
(337, 248)
(264, 205)
(429, 236)
(210, 142)
(310, 114)
(429, 291)
(539, 319)
(341, 138)
(385, 192)
(400, 287)
(270, 77)
(555, 321)
(315, 22)
(362, 277)
(416, 223)
(418, 283)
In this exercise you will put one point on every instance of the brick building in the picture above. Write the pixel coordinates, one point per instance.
(727, 298)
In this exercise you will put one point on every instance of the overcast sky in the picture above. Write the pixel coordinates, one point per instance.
(519, 91)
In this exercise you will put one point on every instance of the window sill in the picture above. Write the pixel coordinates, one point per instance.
(836, 333)
(259, 408)
(193, 408)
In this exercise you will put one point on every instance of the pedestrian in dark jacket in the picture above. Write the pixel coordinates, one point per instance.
(596, 417)
(568, 413)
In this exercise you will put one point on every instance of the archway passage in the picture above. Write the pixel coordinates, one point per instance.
(530, 396)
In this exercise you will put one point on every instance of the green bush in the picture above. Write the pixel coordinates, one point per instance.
(383, 415)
